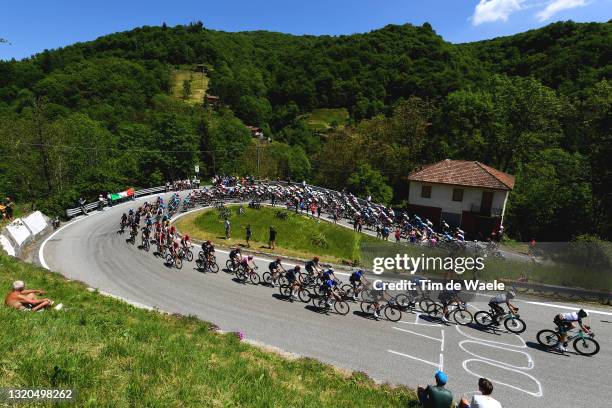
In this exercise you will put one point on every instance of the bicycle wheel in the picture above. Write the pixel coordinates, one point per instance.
(483, 318)
(319, 302)
(169, 260)
(515, 325)
(350, 292)
(393, 313)
(463, 317)
(214, 268)
(548, 338)
(341, 307)
(434, 309)
(403, 300)
(267, 278)
(282, 280)
(229, 264)
(304, 295)
(255, 278)
(586, 346)
(189, 255)
(285, 290)
(241, 275)
(424, 304)
(178, 262)
(366, 307)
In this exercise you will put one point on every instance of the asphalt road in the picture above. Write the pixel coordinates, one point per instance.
(407, 352)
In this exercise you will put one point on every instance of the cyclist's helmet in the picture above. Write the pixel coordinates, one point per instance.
(186, 237)
(582, 313)
(278, 259)
(316, 259)
(511, 294)
(208, 242)
(297, 267)
(250, 258)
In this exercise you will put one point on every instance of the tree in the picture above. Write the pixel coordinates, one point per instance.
(369, 182)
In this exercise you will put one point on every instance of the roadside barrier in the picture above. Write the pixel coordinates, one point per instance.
(19, 233)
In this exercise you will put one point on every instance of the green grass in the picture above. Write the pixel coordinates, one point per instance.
(199, 85)
(116, 355)
(298, 236)
(322, 119)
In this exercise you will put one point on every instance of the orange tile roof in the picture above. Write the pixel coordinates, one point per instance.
(464, 173)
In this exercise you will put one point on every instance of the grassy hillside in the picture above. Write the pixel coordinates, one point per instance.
(118, 356)
(299, 235)
(324, 119)
(199, 85)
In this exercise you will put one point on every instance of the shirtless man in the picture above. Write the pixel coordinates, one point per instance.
(22, 299)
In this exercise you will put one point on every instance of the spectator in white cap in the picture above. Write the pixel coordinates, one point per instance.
(21, 298)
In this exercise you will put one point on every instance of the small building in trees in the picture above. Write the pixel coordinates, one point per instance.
(256, 132)
(465, 194)
(212, 101)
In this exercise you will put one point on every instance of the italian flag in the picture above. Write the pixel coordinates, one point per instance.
(127, 193)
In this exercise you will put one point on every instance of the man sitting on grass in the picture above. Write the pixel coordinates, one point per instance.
(22, 299)
(436, 396)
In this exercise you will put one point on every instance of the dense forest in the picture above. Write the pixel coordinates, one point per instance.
(100, 116)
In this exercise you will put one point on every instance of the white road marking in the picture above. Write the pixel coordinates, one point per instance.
(530, 363)
(568, 307)
(524, 345)
(418, 334)
(539, 393)
(437, 365)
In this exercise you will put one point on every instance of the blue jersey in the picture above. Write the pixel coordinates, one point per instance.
(327, 274)
(356, 276)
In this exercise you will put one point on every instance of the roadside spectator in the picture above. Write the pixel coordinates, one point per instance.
(272, 240)
(482, 401)
(398, 235)
(318, 211)
(21, 299)
(9, 208)
(248, 235)
(228, 229)
(436, 396)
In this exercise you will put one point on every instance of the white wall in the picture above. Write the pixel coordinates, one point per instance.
(442, 197)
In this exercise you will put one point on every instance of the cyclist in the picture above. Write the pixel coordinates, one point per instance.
(208, 249)
(447, 298)
(358, 282)
(566, 322)
(185, 242)
(328, 274)
(291, 276)
(246, 263)
(146, 233)
(329, 287)
(235, 256)
(312, 266)
(379, 295)
(275, 267)
(124, 221)
(174, 248)
(134, 230)
(496, 301)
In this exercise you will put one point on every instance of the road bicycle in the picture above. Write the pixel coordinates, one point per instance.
(583, 343)
(458, 311)
(186, 253)
(243, 273)
(174, 260)
(512, 321)
(274, 279)
(391, 310)
(301, 292)
(207, 265)
(326, 302)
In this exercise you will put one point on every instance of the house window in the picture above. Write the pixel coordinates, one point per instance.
(426, 191)
(457, 194)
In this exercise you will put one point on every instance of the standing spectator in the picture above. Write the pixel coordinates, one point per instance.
(318, 211)
(10, 205)
(228, 229)
(398, 235)
(436, 396)
(272, 240)
(248, 235)
(482, 401)
(273, 200)
(109, 199)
